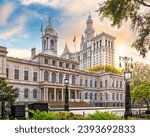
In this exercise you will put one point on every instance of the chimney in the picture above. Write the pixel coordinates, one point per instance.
(33, 52)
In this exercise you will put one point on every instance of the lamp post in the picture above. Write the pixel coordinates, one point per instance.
(66, 105)
(127, 78)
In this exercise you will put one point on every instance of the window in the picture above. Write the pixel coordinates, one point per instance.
(46, 76)
(90, 83)
(34, 93)
(113, 84)
(95, 96)
(86, 83)
(95, 84)
(106, 42)
(101, 84)
(34, 76)
(26, 92)
(121, 96)
(54, 77)
(86, 95)
(101, 96)
(52, 44)
(7, 72)
(73, 80)
(106, 96)
(117, 96)
(67, 65)
(85, 56)
(60, 64)
(113, 96)
(116, 84)
(16, 74)
(100, 43)
(73, 66)
(46, 61)
(26, 73)
(91, 95)
(80, 82)
(105, 83)
(120, 84)
(78, 58)
(60, 78)
(53, 63)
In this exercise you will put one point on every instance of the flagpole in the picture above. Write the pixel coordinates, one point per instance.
(75, 50)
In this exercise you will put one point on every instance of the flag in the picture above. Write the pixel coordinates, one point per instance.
(74, 39)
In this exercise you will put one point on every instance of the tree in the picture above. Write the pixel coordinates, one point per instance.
(7, 94)
(106, 68)
(140, 74)
(141, 92)
(120, 11)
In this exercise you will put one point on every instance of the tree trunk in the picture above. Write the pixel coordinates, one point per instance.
(147, 103)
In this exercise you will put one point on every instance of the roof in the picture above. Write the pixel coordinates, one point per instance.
(66, 50)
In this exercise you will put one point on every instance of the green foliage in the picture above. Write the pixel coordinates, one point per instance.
(120, 11)
(107, 68)
(140, 74)
(43, 115)
(8, 93)
(141, 92)
(103, 116)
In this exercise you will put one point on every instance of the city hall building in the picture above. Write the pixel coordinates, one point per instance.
(41, 78)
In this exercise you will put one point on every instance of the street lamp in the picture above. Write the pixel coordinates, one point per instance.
(127, 78)
(66, 83)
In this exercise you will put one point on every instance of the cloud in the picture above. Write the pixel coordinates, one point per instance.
(17, 29)
(21, 53)
(5, 12)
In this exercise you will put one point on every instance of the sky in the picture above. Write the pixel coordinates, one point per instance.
(20, 26)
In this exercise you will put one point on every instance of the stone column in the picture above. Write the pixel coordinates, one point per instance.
(55, 95)
(62, 95)
(76, 95)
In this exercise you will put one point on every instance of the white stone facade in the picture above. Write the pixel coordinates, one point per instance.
(94, 49)
(41, 79)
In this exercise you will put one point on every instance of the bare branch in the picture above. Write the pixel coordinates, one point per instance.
(143, 3)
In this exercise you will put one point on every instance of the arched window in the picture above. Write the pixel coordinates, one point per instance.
(53, 77)
(121, 84)
(26, 93)
(91, 83)
(86, 83)
(101, 96)
(73, 80)
(106, 96)
(60, 78)
(91, 95)
(86, 95)
(46, 76)
(117, 96)
(34, 93)
(121, 96)
(52, 44)
(95, 96)
(113, 96)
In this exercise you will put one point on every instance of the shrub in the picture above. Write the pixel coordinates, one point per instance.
(103, 116)
(43, 115)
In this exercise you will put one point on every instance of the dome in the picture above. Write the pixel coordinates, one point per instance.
(49, 29)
